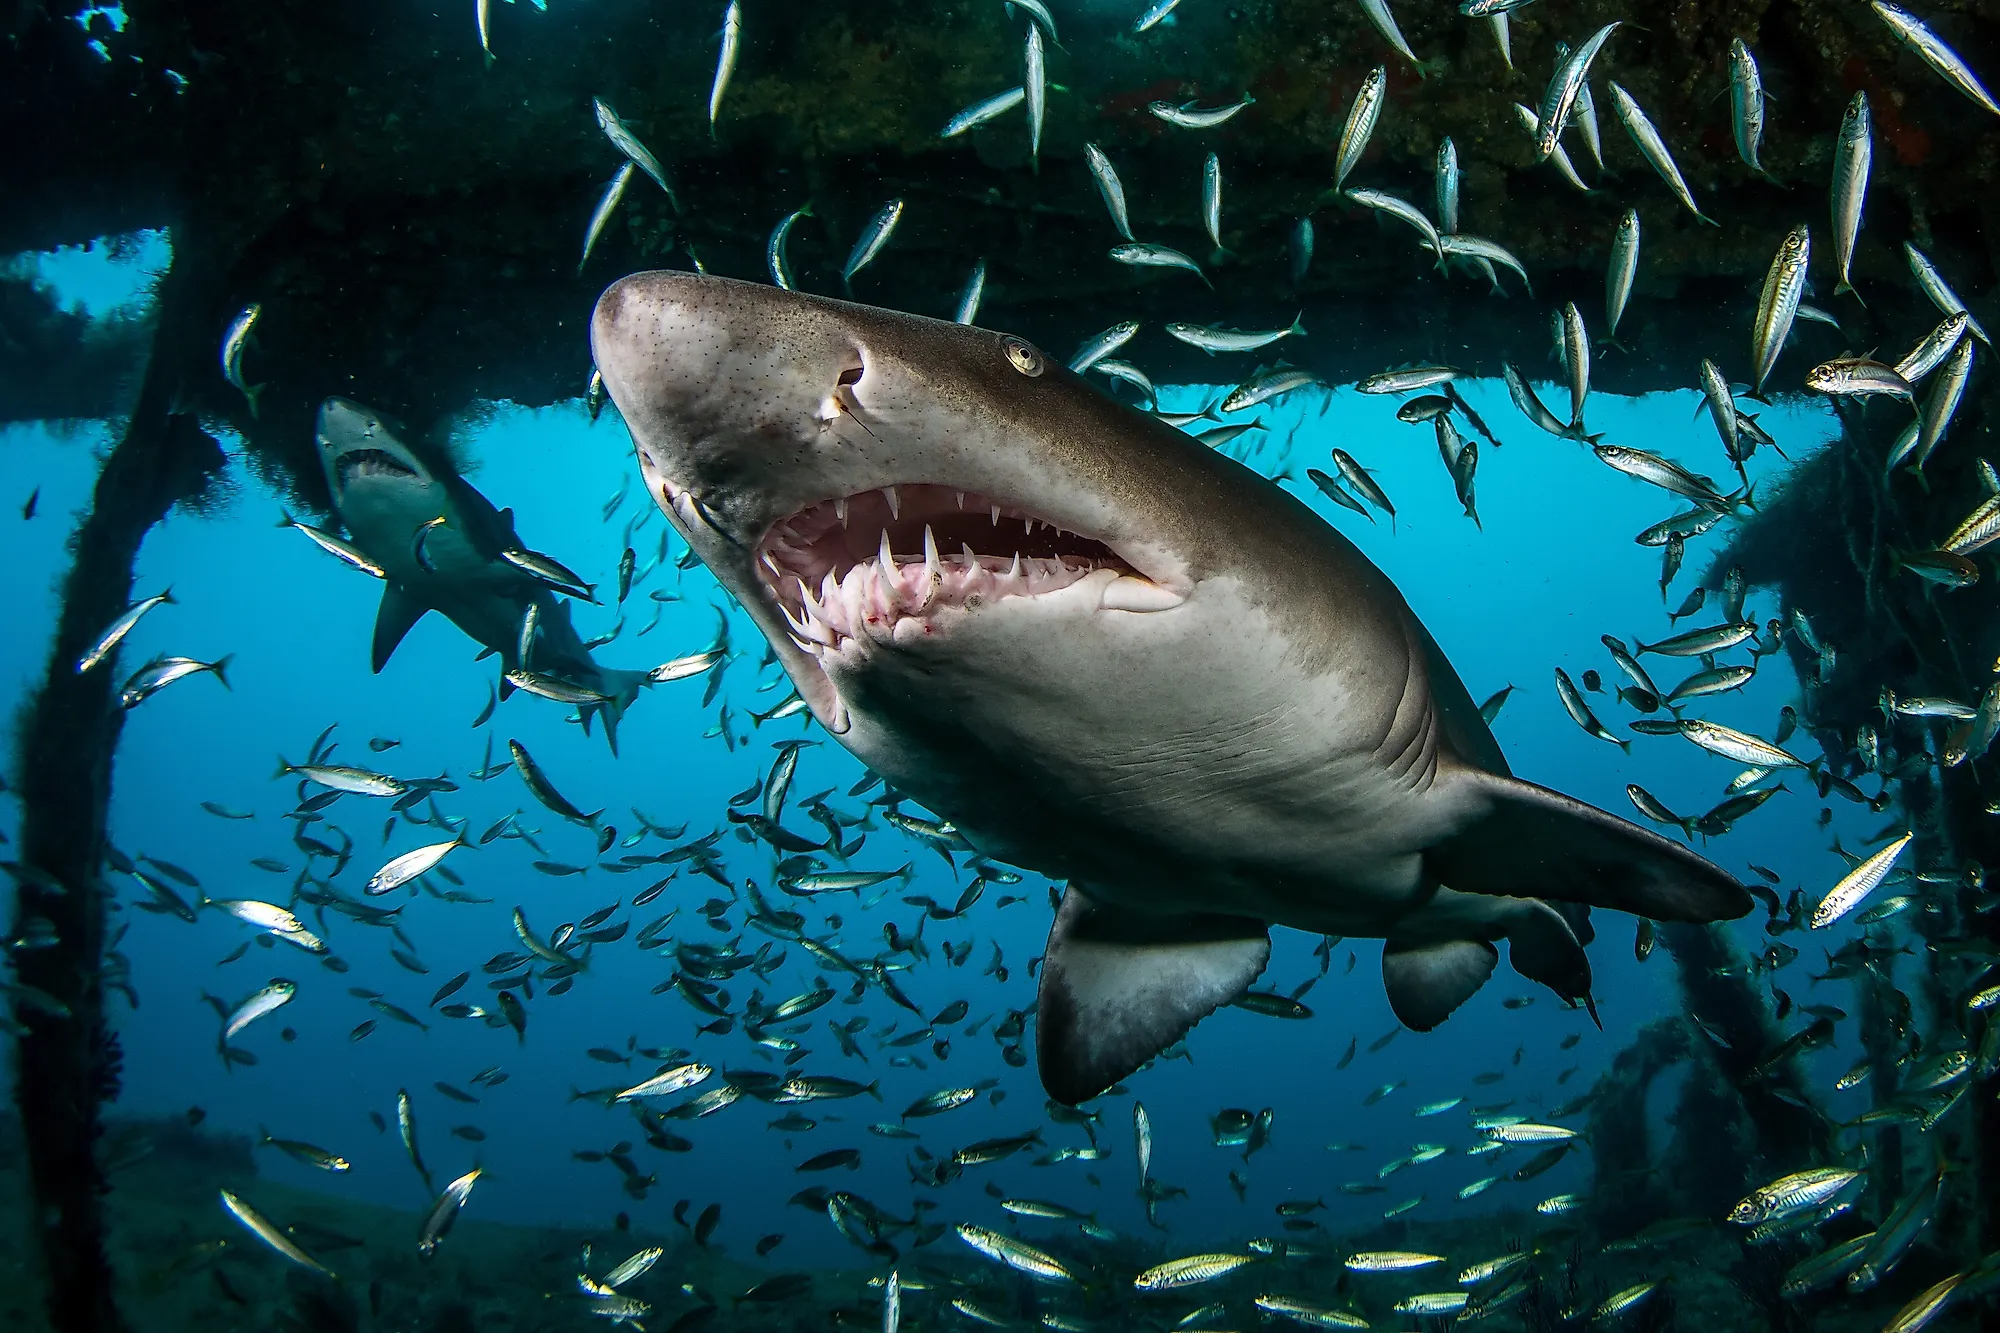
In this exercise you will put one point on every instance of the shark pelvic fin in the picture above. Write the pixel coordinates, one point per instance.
(1535, 843)
(1427, 981)
(1118, 988)
(393, 619)
(1545, 944)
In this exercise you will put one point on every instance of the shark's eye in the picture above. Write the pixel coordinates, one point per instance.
(1023, 357)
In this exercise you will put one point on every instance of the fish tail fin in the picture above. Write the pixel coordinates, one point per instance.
(251, 394)
(1703, 217)
(221, 669)
(285, 519)
(284, 766)
(167, 596)
(1844, 285)
(1298, 328)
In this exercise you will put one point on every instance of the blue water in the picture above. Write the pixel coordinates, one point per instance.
(1554, 567)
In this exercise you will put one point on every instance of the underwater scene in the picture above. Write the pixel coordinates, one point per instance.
(1019, 664)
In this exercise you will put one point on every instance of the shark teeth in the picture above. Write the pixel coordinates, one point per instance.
(859, 566)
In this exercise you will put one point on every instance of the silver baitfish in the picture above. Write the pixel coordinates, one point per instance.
(1853, 152)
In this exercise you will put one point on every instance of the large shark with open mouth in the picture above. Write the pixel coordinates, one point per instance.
(390, 500)
(1110, 654)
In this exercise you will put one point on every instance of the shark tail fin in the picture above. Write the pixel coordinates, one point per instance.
(1535, 843)
(1117, 988)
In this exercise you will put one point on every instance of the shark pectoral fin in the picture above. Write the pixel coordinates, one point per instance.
(1427, 981)
(1535, 843)
(1118, 988)
(393, 619)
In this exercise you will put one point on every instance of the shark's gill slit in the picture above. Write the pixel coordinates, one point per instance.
(860, 564)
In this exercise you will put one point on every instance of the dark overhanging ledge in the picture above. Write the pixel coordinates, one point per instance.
(411, 221)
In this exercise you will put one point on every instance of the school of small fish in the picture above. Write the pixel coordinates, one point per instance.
(713, 962)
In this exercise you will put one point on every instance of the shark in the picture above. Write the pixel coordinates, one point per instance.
(440, 543)
(1107, 653)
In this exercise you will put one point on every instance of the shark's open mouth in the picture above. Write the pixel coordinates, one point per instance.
(857, 566)
(371, 463)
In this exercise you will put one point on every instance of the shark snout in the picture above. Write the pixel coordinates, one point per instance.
(354, 444)
(736, 393)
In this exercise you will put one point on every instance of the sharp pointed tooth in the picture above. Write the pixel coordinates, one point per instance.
(895, 501)
(1014, 570)
(840, 510)
(933, 573)
(885, 557)
(1029, 524)
(996, 515)
(771, 565)
(813, 605)
(960, 497)
(886, 596)
(971, 560)
(817, 630)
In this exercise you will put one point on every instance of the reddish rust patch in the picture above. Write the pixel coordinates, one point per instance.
(1130, 107)
(1911, 144)
(1344, 84)
(1165, 90)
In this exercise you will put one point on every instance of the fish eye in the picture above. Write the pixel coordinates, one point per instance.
(1024, 358)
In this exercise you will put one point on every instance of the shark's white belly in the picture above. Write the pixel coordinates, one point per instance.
(1175, 762)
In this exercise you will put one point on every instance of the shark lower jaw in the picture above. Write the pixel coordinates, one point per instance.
(890, 563)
